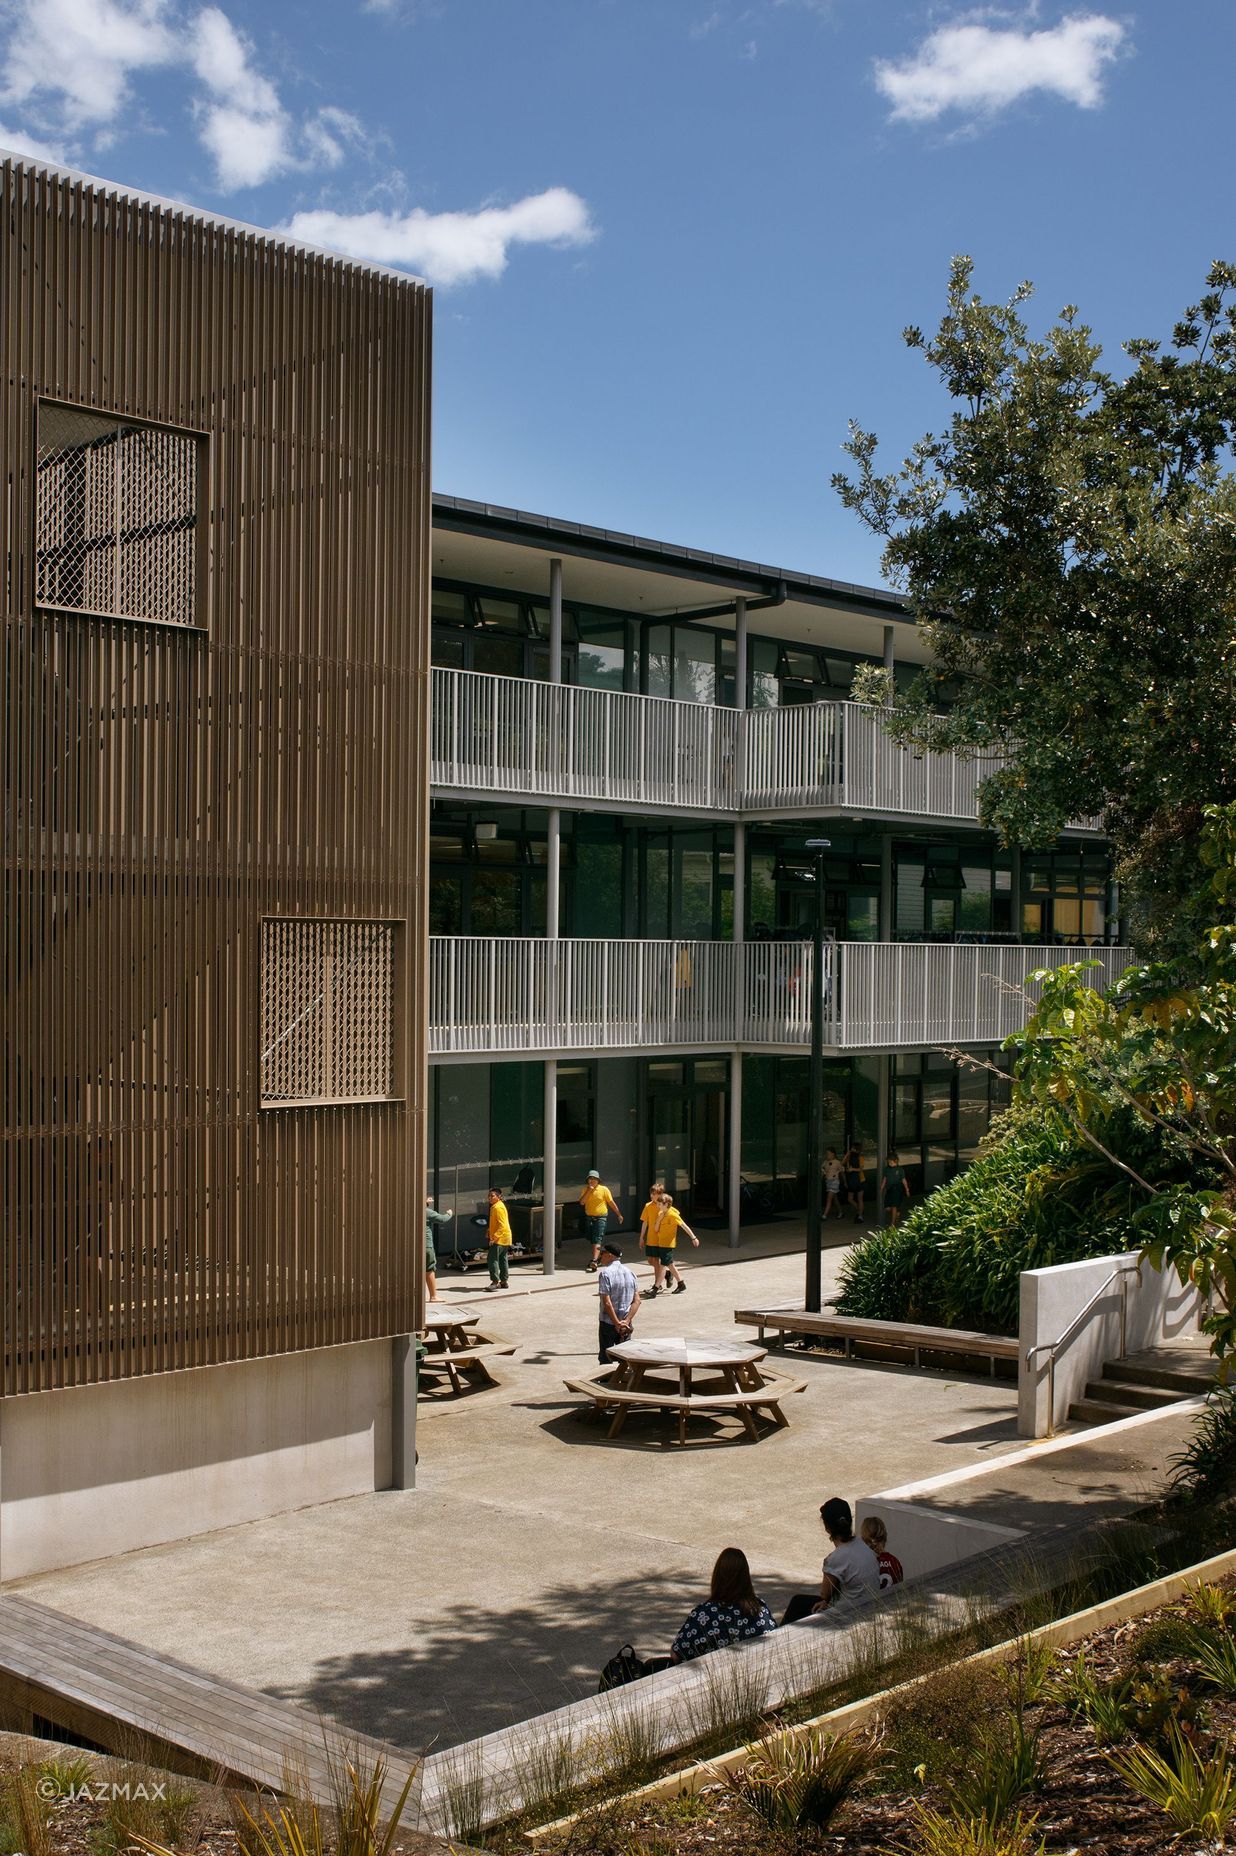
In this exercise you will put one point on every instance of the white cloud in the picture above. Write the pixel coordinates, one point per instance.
(241, 121)
(450, 248)
(17, 142)
(76, 56)
(980, 69)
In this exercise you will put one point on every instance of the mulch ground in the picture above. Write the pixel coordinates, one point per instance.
(1083, 1805)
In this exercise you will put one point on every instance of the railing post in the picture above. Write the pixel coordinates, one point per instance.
(1051, 1393)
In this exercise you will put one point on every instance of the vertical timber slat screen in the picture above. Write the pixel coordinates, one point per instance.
(214, 515)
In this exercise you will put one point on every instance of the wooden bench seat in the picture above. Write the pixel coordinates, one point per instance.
(906, 1335)
(617, 1400)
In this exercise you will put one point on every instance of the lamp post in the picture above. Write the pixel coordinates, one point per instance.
(815, 1122)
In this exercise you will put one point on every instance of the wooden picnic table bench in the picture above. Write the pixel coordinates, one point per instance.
(456, 1348)
(910, 1336)
(738, 1385)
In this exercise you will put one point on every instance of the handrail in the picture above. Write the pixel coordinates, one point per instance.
(1051, 1348)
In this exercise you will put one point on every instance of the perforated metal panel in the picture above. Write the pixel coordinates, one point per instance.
(328, 1011)
(115, 516)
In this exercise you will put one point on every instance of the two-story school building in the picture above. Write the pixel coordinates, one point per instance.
(632, 744)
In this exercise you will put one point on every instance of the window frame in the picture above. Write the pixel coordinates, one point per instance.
(399, 1094)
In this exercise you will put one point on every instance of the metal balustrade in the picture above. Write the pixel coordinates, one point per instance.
(494, 997)
(561, 741)
(556, 741)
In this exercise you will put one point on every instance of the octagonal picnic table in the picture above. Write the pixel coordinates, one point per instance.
(689, 1373)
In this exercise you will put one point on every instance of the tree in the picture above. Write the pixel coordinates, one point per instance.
(1068, 545)
(1162, 1044)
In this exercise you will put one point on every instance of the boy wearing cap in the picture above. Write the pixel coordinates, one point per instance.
(618, 1293)
(598, 1202)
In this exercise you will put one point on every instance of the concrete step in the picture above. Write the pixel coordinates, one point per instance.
(1131, 1393)
(1098, 1411)
(1184, 1380)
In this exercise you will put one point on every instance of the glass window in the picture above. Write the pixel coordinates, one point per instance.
(695, 910)
(575, 1106)
(659, 663)
(762, 659)
(503, 614)
(497, 656)
(758, 1102)
(496, 902)
(695, 665)
(602, 654)
(449, 648)
(446, 904)
(657, 892)
(791, 1118)
(598, 889)
(905, 1114)
(862, 918)
(450, 608)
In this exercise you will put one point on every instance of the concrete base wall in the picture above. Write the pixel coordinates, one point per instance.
(930, 1540)
(1159, 1308)
(100, 1470)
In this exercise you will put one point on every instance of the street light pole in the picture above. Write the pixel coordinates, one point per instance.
(815, 1121)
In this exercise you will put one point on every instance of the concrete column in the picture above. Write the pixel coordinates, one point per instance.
(549, 1171)
(886, 887)
(735, 1157)
(403, 1411)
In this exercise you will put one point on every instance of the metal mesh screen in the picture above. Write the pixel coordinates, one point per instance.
(328, 1011)
(115, 517)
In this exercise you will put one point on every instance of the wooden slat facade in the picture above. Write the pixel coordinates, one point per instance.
(170, 788)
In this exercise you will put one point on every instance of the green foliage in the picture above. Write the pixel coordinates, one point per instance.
(358, 1826)
(1193, 1787)
(1009, 1766)
(1205, 1469)
(1145, 1703)
(1083, 524)
(1037, 1195)
(1214, 1605)
(949, 1833)
(1213, 1654)
(938, 1726)
(64, 1778)
(796, 1779)
(27, 1811)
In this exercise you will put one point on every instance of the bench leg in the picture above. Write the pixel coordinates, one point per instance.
(778, 1417)
(749, 1424)
(682, 1425)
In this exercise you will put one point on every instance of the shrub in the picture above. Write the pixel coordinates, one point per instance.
(1193, 1788)
(1037, 1195)
(796, 1780)
(1144, 1703)
(1205, 1470)
(1213, 1655)
(1163, 1639)
(1007, 1765)
(1212, 1604)
(64, 1778)
(939, 1725)
(945, 1833)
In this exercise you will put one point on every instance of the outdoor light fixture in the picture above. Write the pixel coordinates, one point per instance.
(815, 1111)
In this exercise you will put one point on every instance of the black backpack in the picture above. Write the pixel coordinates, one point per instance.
(623, 1667)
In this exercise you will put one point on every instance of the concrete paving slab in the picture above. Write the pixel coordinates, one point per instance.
(532, 1546)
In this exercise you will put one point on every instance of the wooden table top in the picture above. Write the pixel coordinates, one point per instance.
(687, 1350)
(437, 1318)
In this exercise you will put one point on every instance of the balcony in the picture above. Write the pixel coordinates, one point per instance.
(537, 998)
(560, 744)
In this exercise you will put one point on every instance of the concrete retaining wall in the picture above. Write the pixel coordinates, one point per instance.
(928, 1540)
(103, 1469)
(1160, 1308)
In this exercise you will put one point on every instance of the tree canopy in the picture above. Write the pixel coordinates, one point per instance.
(1068, 544)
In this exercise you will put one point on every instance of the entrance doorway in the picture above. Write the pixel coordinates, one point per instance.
(687, 1110)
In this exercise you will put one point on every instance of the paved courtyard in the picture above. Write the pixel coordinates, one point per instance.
(532, 1546)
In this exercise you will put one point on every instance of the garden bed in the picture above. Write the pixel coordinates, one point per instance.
(959, 1740)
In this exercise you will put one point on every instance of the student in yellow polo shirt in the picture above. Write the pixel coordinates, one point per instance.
(647, 1242)
(499, 1257)
(598, 1202)
(665, 1241)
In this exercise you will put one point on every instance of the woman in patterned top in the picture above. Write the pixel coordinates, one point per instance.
(730, 1614)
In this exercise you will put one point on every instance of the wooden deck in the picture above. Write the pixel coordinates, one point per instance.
(112, 1693)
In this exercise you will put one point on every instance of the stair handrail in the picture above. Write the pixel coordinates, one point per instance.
(1051, 1348)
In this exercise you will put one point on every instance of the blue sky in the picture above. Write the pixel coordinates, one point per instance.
(673, 241)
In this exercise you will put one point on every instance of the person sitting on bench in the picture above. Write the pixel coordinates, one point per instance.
(850, 1571)
(730, 1614)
